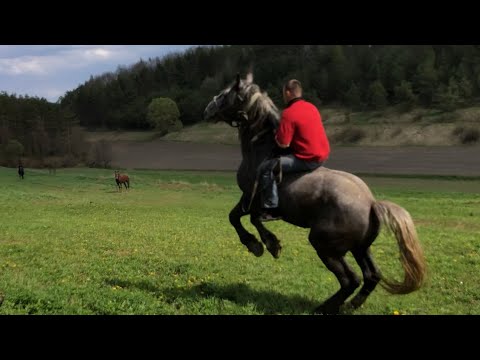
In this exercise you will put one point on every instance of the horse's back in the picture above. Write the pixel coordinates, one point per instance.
(325, 181)
(326, 195)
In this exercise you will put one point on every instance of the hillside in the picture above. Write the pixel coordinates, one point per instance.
(356, 76)
(420, 127)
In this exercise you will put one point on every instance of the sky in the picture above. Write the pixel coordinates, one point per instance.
(49, 71)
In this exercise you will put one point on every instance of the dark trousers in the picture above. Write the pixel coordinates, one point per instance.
(289, 164)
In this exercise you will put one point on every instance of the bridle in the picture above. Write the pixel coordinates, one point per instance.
(241, 118)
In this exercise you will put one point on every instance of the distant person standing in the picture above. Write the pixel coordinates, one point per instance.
(21, 171)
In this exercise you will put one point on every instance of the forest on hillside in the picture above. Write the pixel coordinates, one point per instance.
(356, 77)
(33, 127)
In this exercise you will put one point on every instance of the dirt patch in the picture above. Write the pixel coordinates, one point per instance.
(175, 156)
(432, 160)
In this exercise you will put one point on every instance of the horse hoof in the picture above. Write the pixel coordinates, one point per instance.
(275, 251)
(354, 304)
(256, 248)
(347, 309)
(326, 310)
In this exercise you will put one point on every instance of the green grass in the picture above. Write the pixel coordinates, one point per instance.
(71, 244)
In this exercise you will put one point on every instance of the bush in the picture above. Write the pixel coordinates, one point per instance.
(14, 149)
(466, 135)
(349, 135)
(397, 131)
(164, 116)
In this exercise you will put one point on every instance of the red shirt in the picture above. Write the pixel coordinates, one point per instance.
(301, 127)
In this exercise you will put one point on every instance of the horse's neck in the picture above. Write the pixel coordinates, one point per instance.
(258, 150)
(256, 144)
(253, 154)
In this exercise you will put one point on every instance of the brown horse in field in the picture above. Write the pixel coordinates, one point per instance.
(122, 179)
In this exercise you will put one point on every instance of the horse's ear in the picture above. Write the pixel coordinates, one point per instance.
(249, 78)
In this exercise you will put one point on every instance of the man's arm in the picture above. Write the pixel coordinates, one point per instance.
(285, 131)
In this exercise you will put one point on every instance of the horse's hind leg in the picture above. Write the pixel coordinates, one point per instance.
(348, 280)
(371, 276)
(246, 238)
(335, 262)
(269, 239)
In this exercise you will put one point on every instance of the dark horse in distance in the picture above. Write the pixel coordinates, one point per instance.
(122, 179)
(21, 171)
(338, 208)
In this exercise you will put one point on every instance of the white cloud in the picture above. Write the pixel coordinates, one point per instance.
(21, 66)
(51, 70)
(54, 58)
(98, 53)
(52, 63)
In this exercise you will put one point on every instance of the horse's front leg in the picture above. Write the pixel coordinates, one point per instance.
(269, 239)
(247, 239)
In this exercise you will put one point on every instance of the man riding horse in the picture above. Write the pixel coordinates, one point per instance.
(300, 130)
(338, 208)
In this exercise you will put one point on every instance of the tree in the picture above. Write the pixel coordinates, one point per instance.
(426, 78)
(352, 97)
(448, 97)
(466, 88)
(14, 150)
(338, 72)
(377, 95)
(163, 115)
(404, 95)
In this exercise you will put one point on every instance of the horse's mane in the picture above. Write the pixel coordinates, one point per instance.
(259, 107)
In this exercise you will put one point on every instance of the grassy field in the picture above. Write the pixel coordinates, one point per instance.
(71, 244)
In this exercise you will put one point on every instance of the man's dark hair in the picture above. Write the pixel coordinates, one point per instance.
(294, 86)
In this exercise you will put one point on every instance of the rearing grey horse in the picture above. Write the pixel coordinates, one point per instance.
(338, 208)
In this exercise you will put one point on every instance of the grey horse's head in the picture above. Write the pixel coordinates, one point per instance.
(230, 102)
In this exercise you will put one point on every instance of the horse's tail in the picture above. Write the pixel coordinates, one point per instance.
(400, 223)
